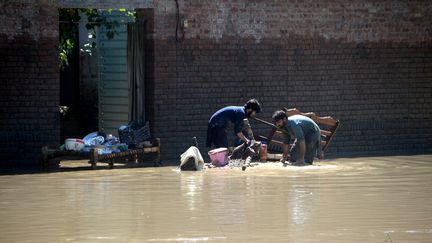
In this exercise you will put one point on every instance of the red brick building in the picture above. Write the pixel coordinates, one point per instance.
(367, 63)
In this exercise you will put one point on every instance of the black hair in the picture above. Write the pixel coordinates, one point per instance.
(279, 115)
(254, 105)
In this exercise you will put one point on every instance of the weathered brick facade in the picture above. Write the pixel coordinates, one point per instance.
(367, 63)
(29, 76)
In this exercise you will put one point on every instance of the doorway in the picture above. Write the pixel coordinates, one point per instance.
(102, 78)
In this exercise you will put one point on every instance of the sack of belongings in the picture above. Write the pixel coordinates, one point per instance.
(191, 159)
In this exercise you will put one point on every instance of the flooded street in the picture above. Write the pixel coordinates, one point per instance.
(375, 199)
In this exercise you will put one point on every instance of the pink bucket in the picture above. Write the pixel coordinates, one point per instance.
(219, 156)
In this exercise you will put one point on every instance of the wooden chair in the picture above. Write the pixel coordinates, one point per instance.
(328, 126)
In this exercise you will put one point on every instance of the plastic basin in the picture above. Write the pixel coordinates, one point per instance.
(219, 156)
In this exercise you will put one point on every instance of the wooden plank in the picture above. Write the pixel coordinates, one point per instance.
(109, 84)
(152, 149)
(119, 77)
(113, 116)
(333, 131)
(117, 101)
(119, 36)
(113, 44)
(327, 120)
(115, 61)
(110, 93)
(114, 68)
(275, 142)
(105, 53)
(114, 123)
(115, 108)
(114, 88)
(325, 133)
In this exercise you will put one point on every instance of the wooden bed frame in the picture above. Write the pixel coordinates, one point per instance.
(138, 156)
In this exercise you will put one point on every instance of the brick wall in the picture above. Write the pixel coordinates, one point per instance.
(106, 4)
(29, 76)
(368, 64)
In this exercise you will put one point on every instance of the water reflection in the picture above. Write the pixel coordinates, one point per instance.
(299, 206)
(383, 199)
(191, 187)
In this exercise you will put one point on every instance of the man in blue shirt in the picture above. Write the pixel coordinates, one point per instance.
(235, 114)
(305, 133)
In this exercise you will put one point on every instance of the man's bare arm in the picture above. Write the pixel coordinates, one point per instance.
(242, 137)
(285, 148)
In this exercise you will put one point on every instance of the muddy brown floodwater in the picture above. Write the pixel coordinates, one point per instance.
(375, 199)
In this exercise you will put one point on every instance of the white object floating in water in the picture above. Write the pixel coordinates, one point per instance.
(192, 152)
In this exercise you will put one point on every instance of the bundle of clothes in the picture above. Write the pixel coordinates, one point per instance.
(133, 135)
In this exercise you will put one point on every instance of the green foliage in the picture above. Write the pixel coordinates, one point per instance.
(68, 33)
(63, 110)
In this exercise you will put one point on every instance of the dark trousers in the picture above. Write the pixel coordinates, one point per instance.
(216, 136)
(312, 149)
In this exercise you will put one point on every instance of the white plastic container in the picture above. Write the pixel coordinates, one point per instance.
(74, 144)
